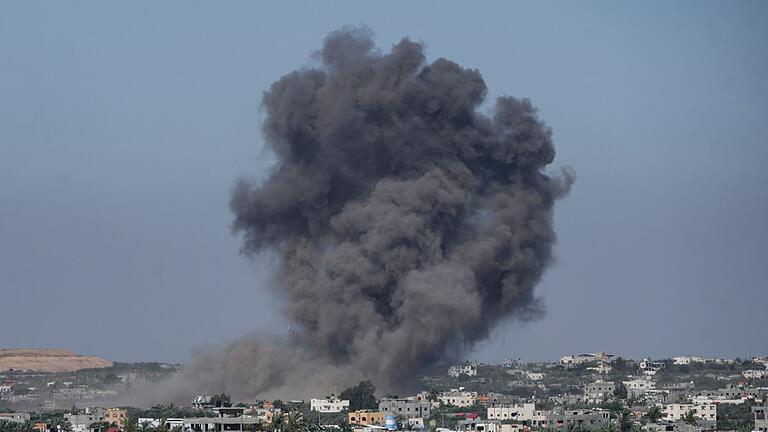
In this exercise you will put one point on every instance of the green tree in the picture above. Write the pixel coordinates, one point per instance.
(161, 427)
(433, 394)
(62, 425)
(129, 424)
(654, 414)
(294, 422)
(620, 391)
(144, 426)
(625, 422)
(361, 396)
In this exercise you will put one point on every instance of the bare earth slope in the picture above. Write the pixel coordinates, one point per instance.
(47, 360)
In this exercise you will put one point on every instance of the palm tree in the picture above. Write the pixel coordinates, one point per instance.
(654, 414)
(294, 422)
(161, 426)
(278, 423)
(129, 424)
(625, 423)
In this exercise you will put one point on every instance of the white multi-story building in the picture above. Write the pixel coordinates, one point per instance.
(535, 376)
(577, 359)
(705, 411)
(81, 421)
(469, 369)
(330, 404)
(602, 368)
(19, 417)
(517, 412)
(458, 397)
(639, 386)
(754, 374)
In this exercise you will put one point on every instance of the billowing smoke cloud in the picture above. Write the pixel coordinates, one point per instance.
(408, 222)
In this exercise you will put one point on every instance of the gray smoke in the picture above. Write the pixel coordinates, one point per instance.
(408, 222)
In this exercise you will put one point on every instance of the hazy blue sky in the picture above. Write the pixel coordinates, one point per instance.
(124, 125)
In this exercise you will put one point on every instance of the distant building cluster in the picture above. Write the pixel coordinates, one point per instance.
(598, 392)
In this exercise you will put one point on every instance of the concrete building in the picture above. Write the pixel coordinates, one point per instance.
(586, 418)
(514, 412)
(227, 419)
(366, 417)
(19, 417)
(535, 376)
(601, 368)
(405, 408)
(675, 412)
(458, 397)
(650, 367)
(331, 404)
(477, 425)
(469, 369)
(82, 420)
(754, 374)
(761, 418)
(116, 416)
(598, 391)
(576, 359)
(638, 386)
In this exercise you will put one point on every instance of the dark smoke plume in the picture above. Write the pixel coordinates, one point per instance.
(408, 223)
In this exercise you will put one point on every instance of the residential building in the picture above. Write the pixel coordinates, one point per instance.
(598, 391)
(331, 404)
(650, 367)
(761, 418)
(202, 402)
(515, 412)
(458, 397)
(81, 421)
(405, 408)
(116, 416)
(478, 425)
(576, 359)
(705, 411)
(638, 386)
(586, 418)
(366, 417)
(19, 417)
(601, 368)
(469, 369)
(754, 374)
(535, 376)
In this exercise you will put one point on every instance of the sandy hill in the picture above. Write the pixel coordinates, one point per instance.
(47, 360)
